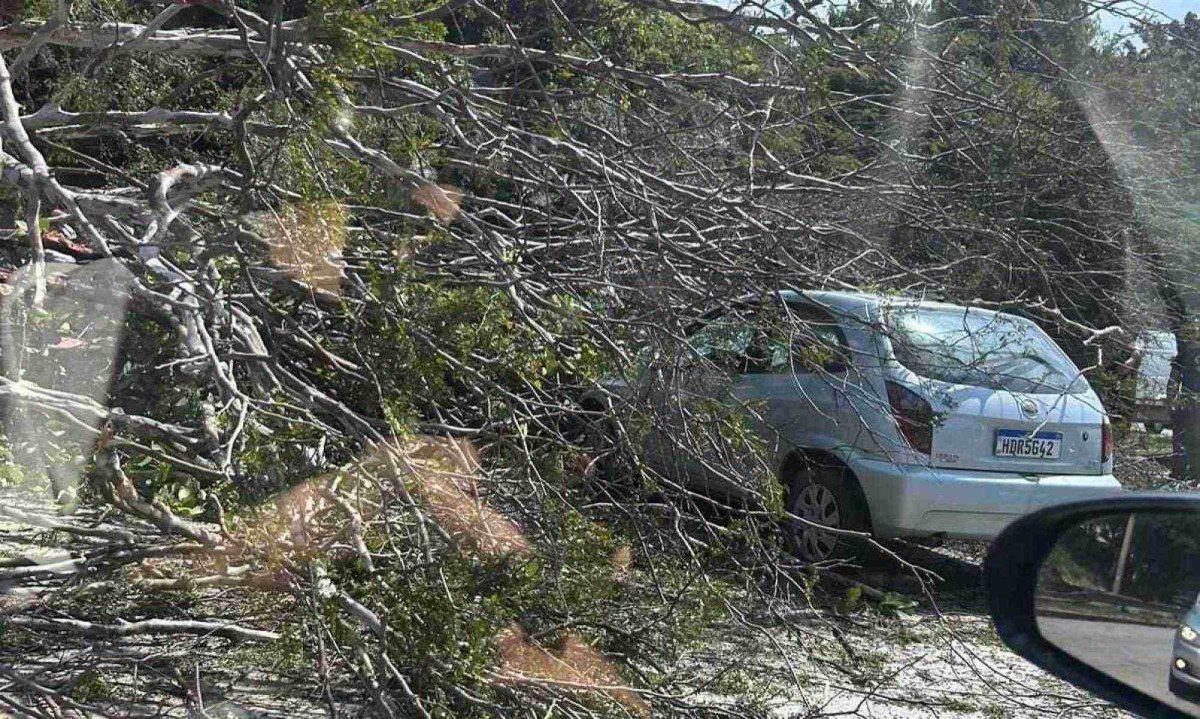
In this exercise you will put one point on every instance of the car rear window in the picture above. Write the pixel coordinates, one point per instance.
(982, 349)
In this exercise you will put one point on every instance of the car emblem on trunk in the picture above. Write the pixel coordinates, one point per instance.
(1029, 408)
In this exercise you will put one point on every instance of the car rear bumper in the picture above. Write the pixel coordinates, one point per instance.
(911, 500)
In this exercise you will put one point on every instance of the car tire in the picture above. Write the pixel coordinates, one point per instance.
(602, 444)
(824, 493)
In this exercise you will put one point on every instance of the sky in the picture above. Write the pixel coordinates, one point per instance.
(1175, 9)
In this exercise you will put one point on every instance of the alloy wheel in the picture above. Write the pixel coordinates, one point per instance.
(818, 504)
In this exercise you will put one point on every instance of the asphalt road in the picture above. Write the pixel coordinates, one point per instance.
(1135, 654)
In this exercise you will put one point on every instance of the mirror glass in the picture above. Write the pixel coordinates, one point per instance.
(1122, 594)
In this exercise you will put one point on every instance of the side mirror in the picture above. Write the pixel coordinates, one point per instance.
(1104, 594)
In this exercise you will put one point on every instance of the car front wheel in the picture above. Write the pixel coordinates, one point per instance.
(608, 465)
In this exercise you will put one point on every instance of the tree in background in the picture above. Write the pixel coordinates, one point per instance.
(1143, 102)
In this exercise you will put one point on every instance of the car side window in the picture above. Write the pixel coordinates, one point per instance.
(780, 340)
(729, 343)
(806, 339)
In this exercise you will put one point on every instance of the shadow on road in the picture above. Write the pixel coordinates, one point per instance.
(947, 577)
(950, 575)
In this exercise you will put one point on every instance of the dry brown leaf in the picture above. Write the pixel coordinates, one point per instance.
(575, 665)
(443, 201)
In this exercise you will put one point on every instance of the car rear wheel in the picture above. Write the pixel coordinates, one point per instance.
(822, 494)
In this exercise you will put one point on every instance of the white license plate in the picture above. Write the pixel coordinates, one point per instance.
(1035, 445)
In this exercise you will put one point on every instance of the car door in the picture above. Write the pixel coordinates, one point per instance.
(801, 394)
(753, 384)
(691, 400)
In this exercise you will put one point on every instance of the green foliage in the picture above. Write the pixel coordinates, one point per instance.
(424, 335)
(851, 601)
(12, 474)
(446, 618)
(894, 604)
(658, 42)
(92, 686)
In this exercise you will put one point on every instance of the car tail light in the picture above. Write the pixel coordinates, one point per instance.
(914, 417)
(1106, 441)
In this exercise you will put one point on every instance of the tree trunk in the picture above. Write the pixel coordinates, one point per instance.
(1180, 301)
(1185, 411)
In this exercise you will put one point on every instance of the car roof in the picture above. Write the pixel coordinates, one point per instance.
(855, 302)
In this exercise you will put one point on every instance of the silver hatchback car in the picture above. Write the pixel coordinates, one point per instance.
(900, 417)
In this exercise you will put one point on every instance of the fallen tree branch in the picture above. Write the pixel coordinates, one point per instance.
(146, 626)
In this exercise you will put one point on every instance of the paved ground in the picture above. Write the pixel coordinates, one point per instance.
(1136, 654)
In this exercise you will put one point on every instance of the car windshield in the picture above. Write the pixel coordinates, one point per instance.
(982, 349)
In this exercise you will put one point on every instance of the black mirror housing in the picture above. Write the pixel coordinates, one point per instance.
(1012, 571)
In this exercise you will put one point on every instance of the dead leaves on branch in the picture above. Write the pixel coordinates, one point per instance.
(446, 473)
(307, 240)
(329, 516)
(442, 201)
(573, 665)
(440, 474)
